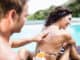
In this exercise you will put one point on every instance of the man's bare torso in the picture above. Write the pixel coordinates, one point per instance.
(5, 51)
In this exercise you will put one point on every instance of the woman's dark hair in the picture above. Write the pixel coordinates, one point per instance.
(56, 15)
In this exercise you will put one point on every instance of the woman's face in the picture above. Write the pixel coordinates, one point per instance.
(65, 21)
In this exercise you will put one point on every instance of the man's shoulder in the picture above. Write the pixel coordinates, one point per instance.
(7, 53)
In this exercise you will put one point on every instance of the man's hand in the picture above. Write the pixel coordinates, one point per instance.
(40, 38)
(37, 39)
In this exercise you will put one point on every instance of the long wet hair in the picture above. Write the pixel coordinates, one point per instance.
(56, 15)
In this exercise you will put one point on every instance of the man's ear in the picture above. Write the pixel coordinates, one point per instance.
(12, 14)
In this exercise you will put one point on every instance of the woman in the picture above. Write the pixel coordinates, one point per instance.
(55, 16)
(57, 36)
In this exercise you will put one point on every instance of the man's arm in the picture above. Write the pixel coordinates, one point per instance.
(39, 38)
(19, 43)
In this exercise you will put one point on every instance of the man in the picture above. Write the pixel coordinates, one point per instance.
(12, 17)
(13, 13)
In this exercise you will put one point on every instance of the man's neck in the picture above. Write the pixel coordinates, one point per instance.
(5, 37)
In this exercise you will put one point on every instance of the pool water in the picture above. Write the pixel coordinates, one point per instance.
(76, 33)
(29, 31)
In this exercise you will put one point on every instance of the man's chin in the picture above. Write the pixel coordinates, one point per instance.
(17, 31)
(63, 27)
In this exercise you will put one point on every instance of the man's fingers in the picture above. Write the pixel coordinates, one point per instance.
(44, 35)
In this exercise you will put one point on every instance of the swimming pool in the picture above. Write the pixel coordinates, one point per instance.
(29, 31)
(76, 33)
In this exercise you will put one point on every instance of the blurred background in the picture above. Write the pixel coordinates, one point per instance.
(38, 12)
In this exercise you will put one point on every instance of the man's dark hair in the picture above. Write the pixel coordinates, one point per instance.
(7, 5)
(56, 15)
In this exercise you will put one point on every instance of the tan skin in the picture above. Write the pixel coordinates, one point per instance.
(56, 38)
(72, 53)
(58, 43)
(65, 55)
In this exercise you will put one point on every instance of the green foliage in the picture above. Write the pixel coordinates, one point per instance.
(75, 7)
(42, 14)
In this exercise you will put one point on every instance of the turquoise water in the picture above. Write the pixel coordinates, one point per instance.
(29, 31)
(76, 33)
